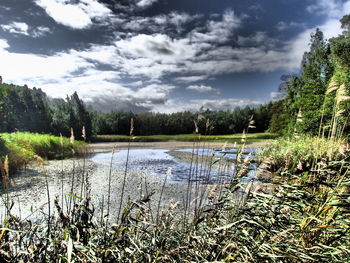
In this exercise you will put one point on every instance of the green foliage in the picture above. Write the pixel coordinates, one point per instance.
(287, 153)
(24, 109)
(21, 147)
(220, 122)
(313, 104)
(252, 137)
(341, 51)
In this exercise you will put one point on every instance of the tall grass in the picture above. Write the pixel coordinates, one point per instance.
(301, 153)
(21, 147)
(302, 219)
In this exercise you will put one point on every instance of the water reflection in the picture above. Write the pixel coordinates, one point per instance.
(158, 161)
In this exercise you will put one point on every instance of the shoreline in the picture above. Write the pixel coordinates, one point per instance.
(102, 147)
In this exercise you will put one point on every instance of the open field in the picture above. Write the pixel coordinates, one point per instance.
(253, 137)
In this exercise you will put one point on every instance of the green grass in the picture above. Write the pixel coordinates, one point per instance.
(21, 147)
(254, 137)
(287, 153)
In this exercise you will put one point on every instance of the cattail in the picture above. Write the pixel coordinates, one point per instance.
(6, 168)
(132, 127)
(245, 166)
(61, 139)
(341, 94)
(339, 113)
(332, 86)
(175, 205)
(200, 117)
(300, 116)
(84, 133)
(213, 191)
(251, 123)
(169, 172)
(244, 136)
(39, 159)
(71, 136)
(196, 126)
(223, 149)
(207, 126)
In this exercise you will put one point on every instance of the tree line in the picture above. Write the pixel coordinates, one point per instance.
(25, 109)
(316, 101)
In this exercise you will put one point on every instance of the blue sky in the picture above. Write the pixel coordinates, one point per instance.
(160, 55)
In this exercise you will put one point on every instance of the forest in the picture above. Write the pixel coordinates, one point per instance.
(25, 109)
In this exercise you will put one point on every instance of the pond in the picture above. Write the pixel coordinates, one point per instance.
(182, 163)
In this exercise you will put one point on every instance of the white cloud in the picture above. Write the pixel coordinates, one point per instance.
(330, 8)
(77, 16)
(158, 47)
(22, 28)
(16, 28)
(3, 44)
(334, 11)
(201, 88)
(40, 31)
(189, 79)
(36, 70)
(218, 31)
(145, 3)
(173, 105)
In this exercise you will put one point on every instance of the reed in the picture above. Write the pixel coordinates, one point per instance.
(303, 218)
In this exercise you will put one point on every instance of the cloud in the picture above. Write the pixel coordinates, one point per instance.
(330, 8)
(145, 3)
(189, 79)
(22, 28)
(40, 31)
(202, 88)
(3, 44)
(276, 96)
(173, 105)
(283, 26)
(257, 39)
(218, 31)
(333, 11)
(77, 16)
(35, 69)
(16, 28)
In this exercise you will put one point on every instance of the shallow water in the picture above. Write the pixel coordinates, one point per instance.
(159, 162)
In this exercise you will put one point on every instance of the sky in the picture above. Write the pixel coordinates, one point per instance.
(160, 55)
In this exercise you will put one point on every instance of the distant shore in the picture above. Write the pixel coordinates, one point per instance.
(171, 145)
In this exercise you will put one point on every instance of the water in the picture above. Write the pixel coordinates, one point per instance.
(159, 161)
